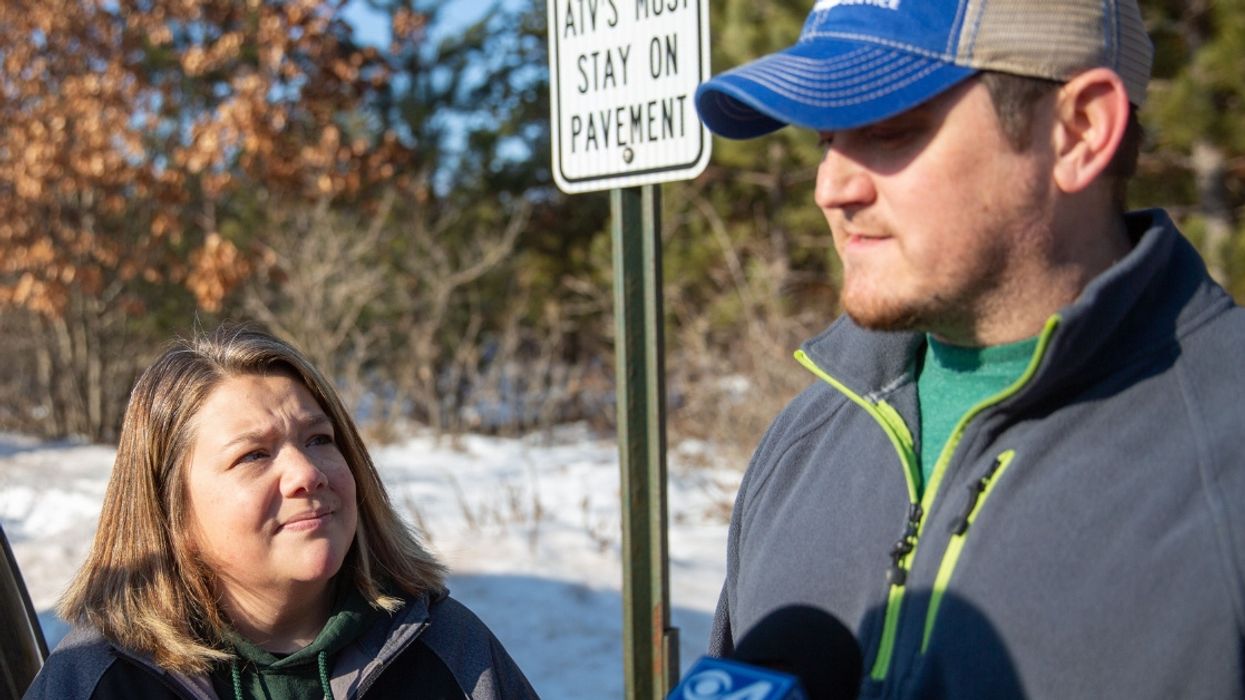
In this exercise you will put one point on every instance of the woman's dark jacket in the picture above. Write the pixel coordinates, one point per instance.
(430, 648)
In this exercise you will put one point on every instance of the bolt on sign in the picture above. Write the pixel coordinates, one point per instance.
(622, 77)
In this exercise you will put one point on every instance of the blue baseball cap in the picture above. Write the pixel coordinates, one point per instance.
(861, 61)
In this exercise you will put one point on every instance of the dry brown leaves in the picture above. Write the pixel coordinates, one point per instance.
(127, 122)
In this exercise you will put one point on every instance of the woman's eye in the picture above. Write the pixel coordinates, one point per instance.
(321, 439)
(252, 456)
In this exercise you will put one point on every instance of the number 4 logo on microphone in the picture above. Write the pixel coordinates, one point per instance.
(720, 679)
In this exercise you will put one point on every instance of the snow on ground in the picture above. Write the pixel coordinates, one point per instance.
(528, 526)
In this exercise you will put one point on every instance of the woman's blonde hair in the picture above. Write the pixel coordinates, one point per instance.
(141, 586)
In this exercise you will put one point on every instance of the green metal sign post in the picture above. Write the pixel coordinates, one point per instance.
(621, 89)
(650, 644)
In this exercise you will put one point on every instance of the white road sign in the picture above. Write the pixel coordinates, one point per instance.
(622, 76)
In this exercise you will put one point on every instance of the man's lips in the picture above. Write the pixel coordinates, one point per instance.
(858, 238)
(854, 233)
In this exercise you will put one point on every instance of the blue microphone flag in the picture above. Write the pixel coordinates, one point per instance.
(722, 679)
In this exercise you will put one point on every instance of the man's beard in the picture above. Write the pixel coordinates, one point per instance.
(925, 315)
(949, 315)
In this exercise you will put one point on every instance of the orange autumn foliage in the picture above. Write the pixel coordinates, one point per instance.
(128, 122)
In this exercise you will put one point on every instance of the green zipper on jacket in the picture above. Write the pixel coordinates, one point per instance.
(895, 428)
(901, 437)
(979, 491)
(892, 423)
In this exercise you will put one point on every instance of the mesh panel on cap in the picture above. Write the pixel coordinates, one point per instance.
(1057, 39)
(1136, 53)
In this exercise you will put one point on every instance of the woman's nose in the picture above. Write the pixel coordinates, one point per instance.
(299, 473)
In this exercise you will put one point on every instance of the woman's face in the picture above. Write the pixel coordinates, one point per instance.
(271, 498)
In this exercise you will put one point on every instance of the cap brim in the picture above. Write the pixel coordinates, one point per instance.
(822, 85)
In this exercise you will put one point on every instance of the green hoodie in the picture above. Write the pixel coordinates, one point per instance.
(257, 673)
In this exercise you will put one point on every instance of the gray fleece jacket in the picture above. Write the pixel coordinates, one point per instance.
(1083, 536)
(478, 662)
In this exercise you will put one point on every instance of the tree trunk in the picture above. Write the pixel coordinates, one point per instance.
(1210, 172)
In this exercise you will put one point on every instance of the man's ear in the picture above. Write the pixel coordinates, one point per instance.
(1091, 116)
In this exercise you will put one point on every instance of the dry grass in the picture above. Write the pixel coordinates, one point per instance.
(727, 396)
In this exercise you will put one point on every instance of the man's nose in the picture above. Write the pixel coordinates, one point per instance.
(842, 182)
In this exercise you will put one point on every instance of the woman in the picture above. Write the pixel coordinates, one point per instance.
(247, 549)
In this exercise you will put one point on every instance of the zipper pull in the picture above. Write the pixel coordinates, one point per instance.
(896, 575)
(960, 525)
(914, 515)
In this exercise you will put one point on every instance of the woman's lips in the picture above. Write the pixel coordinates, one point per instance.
(308, 520)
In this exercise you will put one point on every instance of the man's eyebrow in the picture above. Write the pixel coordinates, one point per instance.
(917, 112)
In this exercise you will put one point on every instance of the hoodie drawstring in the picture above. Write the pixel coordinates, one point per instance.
(322, 660)
(236, 674)
(322, 663)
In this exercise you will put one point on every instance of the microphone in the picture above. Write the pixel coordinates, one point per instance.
(797, 652)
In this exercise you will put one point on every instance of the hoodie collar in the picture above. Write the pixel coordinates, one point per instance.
(351, 615)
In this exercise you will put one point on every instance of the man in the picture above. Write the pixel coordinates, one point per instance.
(1020, 470)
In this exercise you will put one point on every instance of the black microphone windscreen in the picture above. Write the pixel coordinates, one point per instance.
(809, 643)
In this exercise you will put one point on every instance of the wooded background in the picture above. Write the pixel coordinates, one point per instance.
(168, 164)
